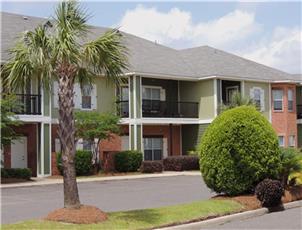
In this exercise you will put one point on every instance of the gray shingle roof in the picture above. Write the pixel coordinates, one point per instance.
(146, 57)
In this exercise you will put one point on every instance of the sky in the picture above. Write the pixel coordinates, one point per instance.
(266, 32)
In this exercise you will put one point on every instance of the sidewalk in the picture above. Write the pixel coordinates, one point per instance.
(47, 181)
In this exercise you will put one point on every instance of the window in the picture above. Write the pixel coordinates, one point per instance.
(290, 99)
(151, 93)
(87, 145)
(281, 140)
(151, 100)
(291, 141)
(153, 149)
(278, 99)
(86, 96)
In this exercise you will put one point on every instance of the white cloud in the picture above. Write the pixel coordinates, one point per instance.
(236, 32)
(283, 50)
(176, 27)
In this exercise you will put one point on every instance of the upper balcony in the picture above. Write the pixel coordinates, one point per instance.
(299, 111)
(30, 104)
(165, 109)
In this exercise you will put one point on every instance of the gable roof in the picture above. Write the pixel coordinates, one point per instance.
(149, 58)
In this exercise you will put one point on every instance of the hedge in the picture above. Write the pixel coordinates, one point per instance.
(181, 163)
(238, 150)
(19, 173)
(83, 162)
(128, 161)
(151, 167)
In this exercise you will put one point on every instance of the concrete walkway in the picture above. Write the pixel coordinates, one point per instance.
(49, 181)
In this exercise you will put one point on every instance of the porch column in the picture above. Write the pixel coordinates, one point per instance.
(44, 152)
(135, 113)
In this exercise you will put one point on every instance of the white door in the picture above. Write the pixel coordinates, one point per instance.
(19, 153)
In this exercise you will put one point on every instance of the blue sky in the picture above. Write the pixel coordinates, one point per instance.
(267, 32)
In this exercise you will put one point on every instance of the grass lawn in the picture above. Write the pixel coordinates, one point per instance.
(144, 219)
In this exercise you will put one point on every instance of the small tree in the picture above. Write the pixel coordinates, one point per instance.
(236, 101)
(95, 127)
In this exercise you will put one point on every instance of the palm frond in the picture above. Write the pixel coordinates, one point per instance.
(106, 55)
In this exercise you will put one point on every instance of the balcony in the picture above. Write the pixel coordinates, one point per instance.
(156, 108)
(299, 111)
(30, 104)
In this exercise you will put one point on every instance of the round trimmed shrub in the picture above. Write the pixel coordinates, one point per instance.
(238, 150)
(128, 161)
(269, 192)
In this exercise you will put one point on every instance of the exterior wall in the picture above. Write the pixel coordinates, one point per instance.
(106, 97)
(194, 132)
(299, 95)
(300, 135)
(201, 92)
(266, 87)
(285, 122)
(30, 131)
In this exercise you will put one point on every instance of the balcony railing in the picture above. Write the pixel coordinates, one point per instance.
(299, 111)
(156, 108)
(29, 104)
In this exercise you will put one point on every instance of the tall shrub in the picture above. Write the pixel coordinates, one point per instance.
(238, 150)
(128, 161)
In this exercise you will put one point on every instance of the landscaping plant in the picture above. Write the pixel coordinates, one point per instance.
(181, 163)
(17, 173)
(291, 162)
(151, 167)
(62, 49)
(238, 150)
(83, 162)
(269, 192)
(128, 161)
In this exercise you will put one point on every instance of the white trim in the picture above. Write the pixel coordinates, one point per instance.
(134, 97)
(34, 118)
(129, 96)
(135, 136)
(42, 100)
(142, 139)
(42, 150)
(299, 121)
(37, 147)
(50, 152)
(215, 98)
(165, 121)
(141, 95)
(130, 135)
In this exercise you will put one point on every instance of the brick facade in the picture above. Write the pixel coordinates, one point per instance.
(29, 131)
(285, 122)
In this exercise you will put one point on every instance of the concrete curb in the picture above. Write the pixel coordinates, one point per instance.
(45, 181)
(229, 218)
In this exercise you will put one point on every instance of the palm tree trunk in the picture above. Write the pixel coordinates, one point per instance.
(66, 132)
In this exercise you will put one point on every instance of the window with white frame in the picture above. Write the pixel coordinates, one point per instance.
(278, 99)
(290, 99)
(151, 93)
(291, 141)
(153, 148)
(151, 100)
(281, 140)
(86, 96)
(257, 94)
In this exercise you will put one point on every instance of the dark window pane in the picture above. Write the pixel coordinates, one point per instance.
(277, 105)
(148, 155)
(157, 155)
(86, 102)
(290, 105)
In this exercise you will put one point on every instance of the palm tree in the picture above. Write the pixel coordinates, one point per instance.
(60, 50)
(237, 100)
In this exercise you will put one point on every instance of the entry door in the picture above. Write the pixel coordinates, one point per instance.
(19, 153)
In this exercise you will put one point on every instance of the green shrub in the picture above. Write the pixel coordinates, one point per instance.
(181, 163)
(238, 150)
(128, 161)
(151, 167)
(19, 173)
(269, 192)
(83, 162)
(291, 162)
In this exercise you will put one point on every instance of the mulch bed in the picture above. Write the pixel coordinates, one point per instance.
(250, 202)
(13, 180)
(84, 215)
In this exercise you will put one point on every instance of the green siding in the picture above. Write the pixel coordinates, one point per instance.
(46, 149)
(265, 86)
(46, 102)
(202, 92)
(191, 136)
(300, 135)
(106, 97)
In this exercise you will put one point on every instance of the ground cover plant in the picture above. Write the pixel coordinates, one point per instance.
(238, 150)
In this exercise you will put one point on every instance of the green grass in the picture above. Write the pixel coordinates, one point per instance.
(144, 219)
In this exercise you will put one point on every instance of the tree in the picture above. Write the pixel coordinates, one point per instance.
(61, 50)
(9, 105)
(95, 127)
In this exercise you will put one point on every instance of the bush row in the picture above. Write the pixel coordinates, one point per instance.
(181, 163)
(152, 167)
(18, 173)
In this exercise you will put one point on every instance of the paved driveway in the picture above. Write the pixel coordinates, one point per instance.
(35, 202)
(289, 219)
